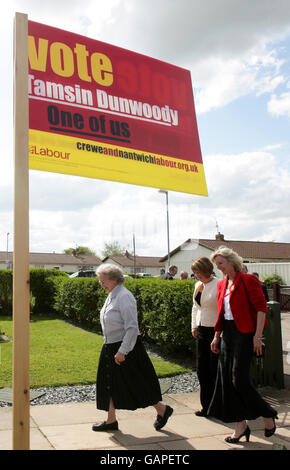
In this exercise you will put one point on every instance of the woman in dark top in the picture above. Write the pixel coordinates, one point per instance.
(204, 316)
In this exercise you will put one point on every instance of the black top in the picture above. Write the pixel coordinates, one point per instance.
(197, 298)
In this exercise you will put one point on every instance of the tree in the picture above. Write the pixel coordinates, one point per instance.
(79, 250)
(114, 249)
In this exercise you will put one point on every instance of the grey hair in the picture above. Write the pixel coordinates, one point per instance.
(112, 272)
(230, 255)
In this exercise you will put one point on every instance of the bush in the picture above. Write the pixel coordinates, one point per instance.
(164, 308)
(43, 287)
(167, 314)
(164, 312)
(6, 292)
(42, 290)
(273, 278)
(80, 300)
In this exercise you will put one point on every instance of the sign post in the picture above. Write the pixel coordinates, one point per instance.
(86, 108)
(21, 287)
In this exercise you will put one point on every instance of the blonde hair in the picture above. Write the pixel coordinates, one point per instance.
(112, 272)
(230, 255)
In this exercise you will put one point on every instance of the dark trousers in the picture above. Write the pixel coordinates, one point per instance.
(235, 397)
(206, 365)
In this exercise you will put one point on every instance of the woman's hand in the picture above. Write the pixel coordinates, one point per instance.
(258, 346)
(258, 340)
(215, 345)
(119, 357)
(194, 332)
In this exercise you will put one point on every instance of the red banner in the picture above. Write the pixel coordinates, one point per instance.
(86, 94)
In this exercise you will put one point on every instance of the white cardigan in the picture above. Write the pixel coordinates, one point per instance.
(205, 314)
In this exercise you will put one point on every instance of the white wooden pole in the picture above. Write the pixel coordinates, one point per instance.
(21, 287)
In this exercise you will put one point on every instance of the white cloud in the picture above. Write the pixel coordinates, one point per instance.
(280, 105)
(227, 44)
(249, 193)
(220, 81)
(248, 196)
(178, 30)
(269, 148)
(231, 48)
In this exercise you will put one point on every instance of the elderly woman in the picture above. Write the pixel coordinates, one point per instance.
(126, 378)
(241, 319)
(204, 317)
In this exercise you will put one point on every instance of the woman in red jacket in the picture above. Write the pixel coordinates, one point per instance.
(241, 319)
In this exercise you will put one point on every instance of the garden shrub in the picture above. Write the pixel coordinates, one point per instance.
(164, 308)
(268, 280)
(80, 300)
(6, 296)
(43, 288)
(167, 314)
(139, 287)
(164, 312)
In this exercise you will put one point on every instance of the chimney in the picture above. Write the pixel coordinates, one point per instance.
(219, 236)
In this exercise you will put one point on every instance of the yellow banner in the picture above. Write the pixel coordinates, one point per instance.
(74, 156)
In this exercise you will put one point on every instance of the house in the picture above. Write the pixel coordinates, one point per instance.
(61, 261)
(250, 251)
(138, 264)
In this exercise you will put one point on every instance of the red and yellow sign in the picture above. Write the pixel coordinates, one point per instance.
(99, 111)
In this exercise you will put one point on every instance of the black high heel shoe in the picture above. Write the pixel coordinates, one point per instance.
(270, 432)
(234, 440)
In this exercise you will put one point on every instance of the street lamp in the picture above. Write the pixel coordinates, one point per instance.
(7, 259)
(163, 191)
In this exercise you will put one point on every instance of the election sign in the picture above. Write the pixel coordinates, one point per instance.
(100, 111)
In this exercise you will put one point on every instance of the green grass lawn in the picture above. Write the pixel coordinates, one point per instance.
(62, 354)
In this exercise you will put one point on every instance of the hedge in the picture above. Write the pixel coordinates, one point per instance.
(80, 300)
(165, 313)
(5, 292)
(268, 280)
(164, 307)
(42, 288)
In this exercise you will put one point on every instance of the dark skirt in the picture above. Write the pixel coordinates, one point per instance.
(206, 365)
(235, 398)
(131, 385)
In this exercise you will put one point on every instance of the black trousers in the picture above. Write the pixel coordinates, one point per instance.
(206, 365)
(235, 398)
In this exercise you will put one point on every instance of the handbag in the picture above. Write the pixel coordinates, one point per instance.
(251, 310)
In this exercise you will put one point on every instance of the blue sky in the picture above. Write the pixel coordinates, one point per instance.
(238, 53)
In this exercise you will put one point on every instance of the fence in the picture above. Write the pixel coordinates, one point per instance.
(281, 294)
(268, 269)
(269, 371)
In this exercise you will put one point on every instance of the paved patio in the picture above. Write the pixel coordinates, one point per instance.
(68, 427)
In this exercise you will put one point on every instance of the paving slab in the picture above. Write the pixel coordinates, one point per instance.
(37, 440)
(188, 426)
(69, 427)
(196, 443)
(6, 419)
(64, 414)
(77, 437)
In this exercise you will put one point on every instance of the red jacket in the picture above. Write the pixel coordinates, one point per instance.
(245, 317)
